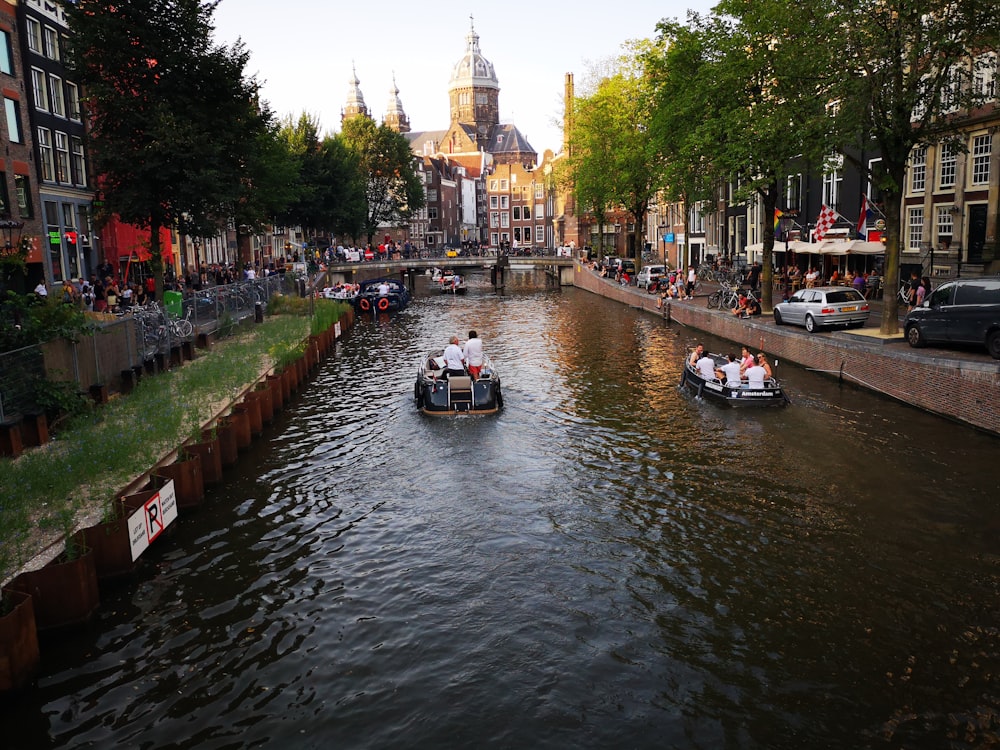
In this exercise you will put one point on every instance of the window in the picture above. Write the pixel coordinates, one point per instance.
(6, 54)
(947, 162)
(984, 76)
(57, 98)
(62, 157)
(494, 218)
(504, 186)
(432, 212)
(48, 156)
(951, 92)
(539, 231)
(793, 192)
(981, 148)
(517, 234)
(504, 219)
(11, 110)
(504, 201)
(22, 186)
(4, 199)
(432, 195)
(915, 224)
(517, 213)
(833, 177)
(539, 211)
(527, 234)
(34, 36)
(51, 43)
(494, 201)
(493, 186)
(72, 101)
(539, 191)
(40, 89)
(480, 98)
(494, 239)
(918, 169)
(79, 159)
(945, 223)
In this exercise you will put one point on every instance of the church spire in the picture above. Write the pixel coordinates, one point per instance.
(355, 106)
(395, 117)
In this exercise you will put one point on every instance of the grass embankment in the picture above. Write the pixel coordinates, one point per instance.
(45, 491)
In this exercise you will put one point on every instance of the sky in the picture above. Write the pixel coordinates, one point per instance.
(302, 52)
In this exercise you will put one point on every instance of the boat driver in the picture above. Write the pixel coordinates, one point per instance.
(454, 360)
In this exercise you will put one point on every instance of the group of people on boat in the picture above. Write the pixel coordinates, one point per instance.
(750, 370)
(462, 360)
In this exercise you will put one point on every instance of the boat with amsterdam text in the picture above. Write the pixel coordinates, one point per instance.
(381, 295)
(438, 395)
(717, 390)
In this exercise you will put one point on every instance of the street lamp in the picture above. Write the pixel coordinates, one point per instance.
(8, 227)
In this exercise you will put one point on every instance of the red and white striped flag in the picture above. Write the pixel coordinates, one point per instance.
(827, 216)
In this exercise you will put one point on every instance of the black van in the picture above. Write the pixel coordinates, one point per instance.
(966, 311)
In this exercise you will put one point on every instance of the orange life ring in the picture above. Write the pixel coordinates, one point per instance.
(383, 303)
(365, 304)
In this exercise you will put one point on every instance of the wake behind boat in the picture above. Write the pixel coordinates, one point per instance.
(447, 396)
(732, 395)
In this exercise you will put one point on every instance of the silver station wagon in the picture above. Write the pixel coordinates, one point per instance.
(823, 306)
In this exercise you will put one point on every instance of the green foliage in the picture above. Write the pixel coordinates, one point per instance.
(60, 398)
(25, 320)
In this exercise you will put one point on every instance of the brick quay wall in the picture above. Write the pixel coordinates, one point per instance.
(967, 390)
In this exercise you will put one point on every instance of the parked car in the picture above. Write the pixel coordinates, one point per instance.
(823, 306)
(648, 274)
(615, 264)
(966, 311)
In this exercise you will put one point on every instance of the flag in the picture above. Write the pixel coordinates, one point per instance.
(778, 213)
(863, 217)
(827, 216)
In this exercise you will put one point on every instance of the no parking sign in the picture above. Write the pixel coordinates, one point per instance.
(149, 521)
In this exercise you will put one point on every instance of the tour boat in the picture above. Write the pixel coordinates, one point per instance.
(741, 395)
(368, 299)
(438, 395)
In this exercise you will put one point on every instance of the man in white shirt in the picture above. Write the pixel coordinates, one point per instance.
(383, 291)
(41, 290)
(759, 372)
(730, 372)
(454, 360)
(706, 367)
(474, 354)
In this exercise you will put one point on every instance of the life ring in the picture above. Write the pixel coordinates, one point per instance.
(365, 304)
(383, 303)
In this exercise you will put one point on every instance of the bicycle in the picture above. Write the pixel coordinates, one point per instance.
(904, 294)
(728, 294)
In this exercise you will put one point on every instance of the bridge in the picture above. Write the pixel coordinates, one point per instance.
(560, 267)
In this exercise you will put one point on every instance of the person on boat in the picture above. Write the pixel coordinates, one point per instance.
(729, 373)
(697, 353)
(454, 360)
(746, 359)
(759, 372)
(706, 367)
(383, 289)
(473, 353)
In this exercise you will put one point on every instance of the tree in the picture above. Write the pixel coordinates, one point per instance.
(901, 77)
(392, 189)
(173, 121)
(741, 75)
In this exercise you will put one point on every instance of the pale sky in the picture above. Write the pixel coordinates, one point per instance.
(302, 51)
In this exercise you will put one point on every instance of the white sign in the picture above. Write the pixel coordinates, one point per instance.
(336, 330)
(149, 521)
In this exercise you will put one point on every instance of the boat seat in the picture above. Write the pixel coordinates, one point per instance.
(460, 393)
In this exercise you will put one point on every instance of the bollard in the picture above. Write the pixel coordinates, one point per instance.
(258, 312)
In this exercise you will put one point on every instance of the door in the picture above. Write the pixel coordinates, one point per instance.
(977, 233)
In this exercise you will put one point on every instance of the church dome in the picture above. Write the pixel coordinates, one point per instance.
(473, 69)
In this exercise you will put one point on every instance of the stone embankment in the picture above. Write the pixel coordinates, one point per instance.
(964, 388)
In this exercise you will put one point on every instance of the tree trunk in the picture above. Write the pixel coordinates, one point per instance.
(156, 253)
(770, 202)
(890, 279)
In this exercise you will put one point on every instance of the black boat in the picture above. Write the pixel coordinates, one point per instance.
(440, 396)
(741, 395)
(370, 296)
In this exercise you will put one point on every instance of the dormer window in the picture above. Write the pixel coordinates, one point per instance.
(499, 139)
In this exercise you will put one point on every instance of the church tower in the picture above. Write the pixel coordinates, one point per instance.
(473, 91)
(355, 106)
(395, 117)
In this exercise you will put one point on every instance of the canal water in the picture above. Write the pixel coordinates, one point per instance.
(606, 563)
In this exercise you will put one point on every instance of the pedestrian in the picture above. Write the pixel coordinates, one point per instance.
(692, 277)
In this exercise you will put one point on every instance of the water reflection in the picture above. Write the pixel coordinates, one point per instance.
(608, 562)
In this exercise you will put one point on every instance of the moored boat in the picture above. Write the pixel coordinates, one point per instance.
(741, 395)
(381, 295)
(447, 396)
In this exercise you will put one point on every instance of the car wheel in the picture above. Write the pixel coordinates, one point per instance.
(810, 323)
(914, 337)
(777, 318)
(993, 344)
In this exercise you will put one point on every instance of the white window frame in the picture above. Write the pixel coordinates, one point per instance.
(539, 191)
(63, 173)
(34, 29)
(40, 87)
(57, 97)
(914, 227)
(945, 221)
(539, 211)
(947, 166)
(980, 153)
(50, 39)
(504, 219)
(47, 154)
(504, 202)
(494, 201)
(918, 169)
